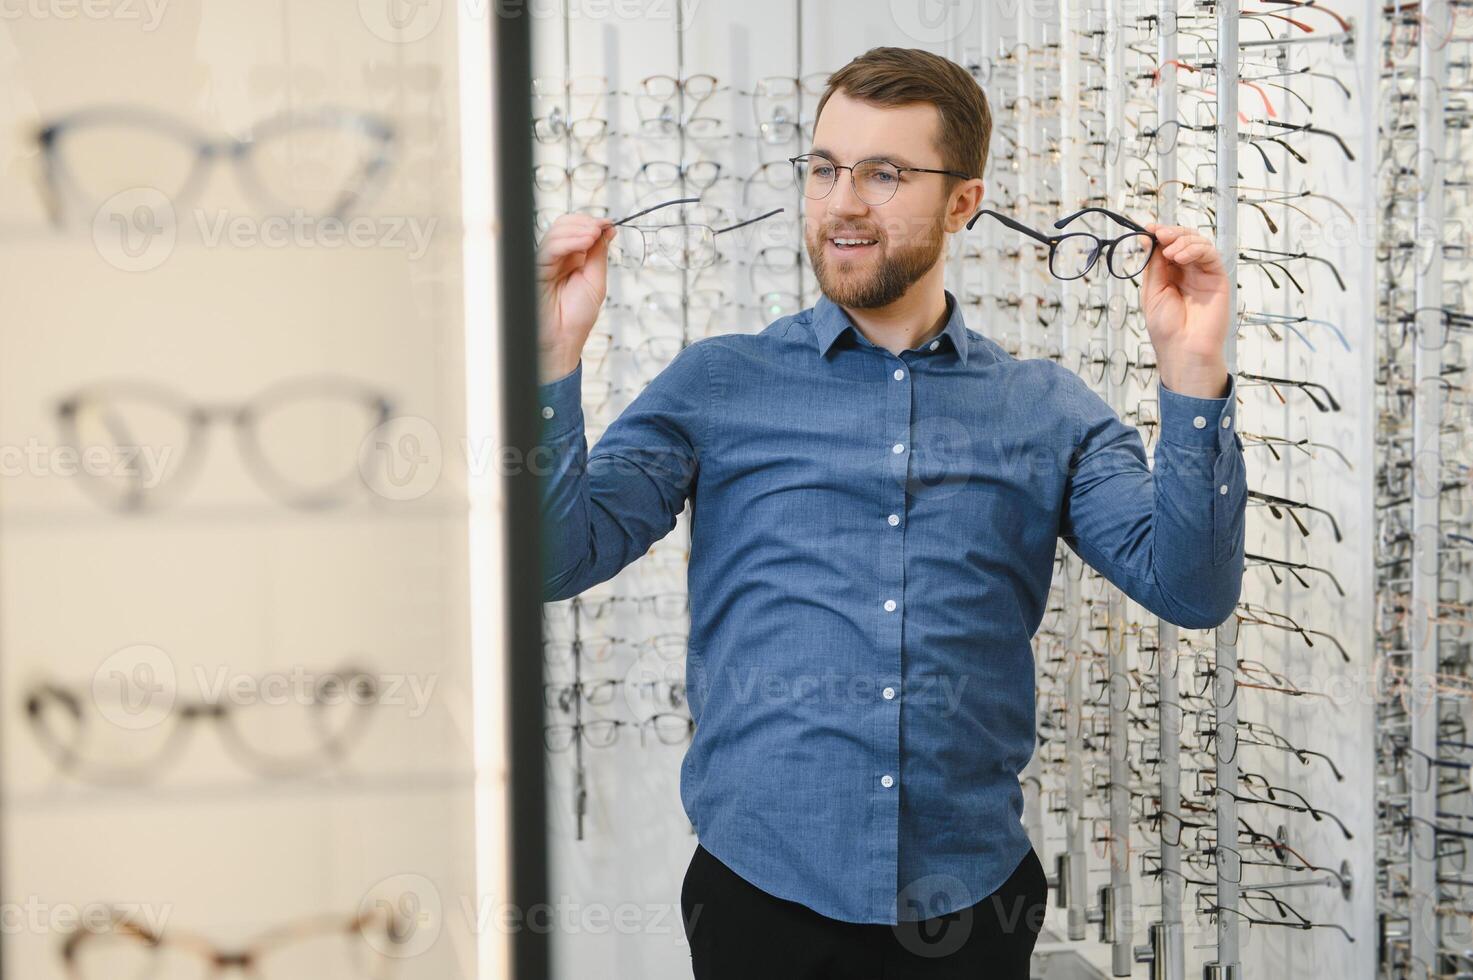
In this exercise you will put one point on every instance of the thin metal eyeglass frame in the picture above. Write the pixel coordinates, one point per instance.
(801, 159)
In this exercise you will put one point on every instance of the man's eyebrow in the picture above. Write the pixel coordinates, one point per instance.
(899, 161)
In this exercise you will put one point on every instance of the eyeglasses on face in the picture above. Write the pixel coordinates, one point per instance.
(875, 181)
(1072, 255)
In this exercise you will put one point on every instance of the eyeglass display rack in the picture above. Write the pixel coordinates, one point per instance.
(1422, 481)
(228, 580)
(1229, 803)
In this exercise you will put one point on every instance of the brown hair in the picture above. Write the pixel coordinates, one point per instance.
(906, 76)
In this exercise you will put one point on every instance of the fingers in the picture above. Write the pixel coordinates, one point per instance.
(1183, 246)
(555, 250)
(575, 228)
(570, 238)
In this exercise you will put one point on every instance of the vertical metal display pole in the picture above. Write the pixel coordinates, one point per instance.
(680, 157)
(1028, 35)
(799, 201)
(1225, 678)
(1426, 510)
(1073, 868)
(580, 772)
(1121, 915)
(1170, 951)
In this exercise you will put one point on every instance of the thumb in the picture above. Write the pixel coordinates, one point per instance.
(596, 261)
(1154, 278)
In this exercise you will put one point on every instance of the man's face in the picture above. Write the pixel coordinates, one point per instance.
(908, 231)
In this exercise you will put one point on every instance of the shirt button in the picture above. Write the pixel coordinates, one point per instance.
(894, 519)
(899, 374)
(1199, 421)
(934, 344)
(897, 448)
(1222, 489)
(889, 605)
(547, 412)
(889, 693)
(1226, 421)
(886, 781)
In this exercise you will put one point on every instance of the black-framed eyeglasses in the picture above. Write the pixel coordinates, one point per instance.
(1072, 255)
(874, 180)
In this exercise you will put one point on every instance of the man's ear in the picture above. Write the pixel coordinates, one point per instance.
(965, 204)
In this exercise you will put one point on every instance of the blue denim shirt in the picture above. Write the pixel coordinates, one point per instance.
(873, 537)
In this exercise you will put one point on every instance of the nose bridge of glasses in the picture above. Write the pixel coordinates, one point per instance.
(226, 147)
(838, 187)
(203, 413)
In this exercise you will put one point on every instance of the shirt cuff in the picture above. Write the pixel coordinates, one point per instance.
(561, 405)
(1198, 423)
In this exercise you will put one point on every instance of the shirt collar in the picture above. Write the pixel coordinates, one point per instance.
(829, 321)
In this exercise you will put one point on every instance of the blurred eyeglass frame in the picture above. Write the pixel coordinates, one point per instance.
(60, 182)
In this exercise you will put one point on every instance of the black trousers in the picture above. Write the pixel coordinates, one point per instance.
(736, 930)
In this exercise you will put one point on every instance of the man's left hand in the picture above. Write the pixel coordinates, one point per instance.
(1184, 294)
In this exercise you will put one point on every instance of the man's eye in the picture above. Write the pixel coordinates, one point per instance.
(822, 170)
(883, 176)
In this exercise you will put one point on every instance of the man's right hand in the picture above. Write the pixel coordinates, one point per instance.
(572, 279)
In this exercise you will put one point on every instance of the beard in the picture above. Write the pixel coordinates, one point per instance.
(895, 271)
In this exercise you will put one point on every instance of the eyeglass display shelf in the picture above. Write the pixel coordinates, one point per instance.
(53, 519)
(149, 793)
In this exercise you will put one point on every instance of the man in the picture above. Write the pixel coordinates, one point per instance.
(877, 493)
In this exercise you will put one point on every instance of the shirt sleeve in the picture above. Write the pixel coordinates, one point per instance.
(1172, 537)
(603, 509)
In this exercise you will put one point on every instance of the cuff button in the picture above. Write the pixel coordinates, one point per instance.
(1199, 422)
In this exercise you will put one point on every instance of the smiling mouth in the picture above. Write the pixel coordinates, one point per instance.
(851, 245)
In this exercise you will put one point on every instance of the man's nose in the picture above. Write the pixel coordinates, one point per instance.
(842, 199)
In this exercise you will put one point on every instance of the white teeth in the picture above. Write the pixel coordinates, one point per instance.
(854, 241)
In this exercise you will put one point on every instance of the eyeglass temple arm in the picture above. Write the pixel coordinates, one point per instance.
(1112, 215)
(640, 214)
(1015, 225)
(743, 224)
